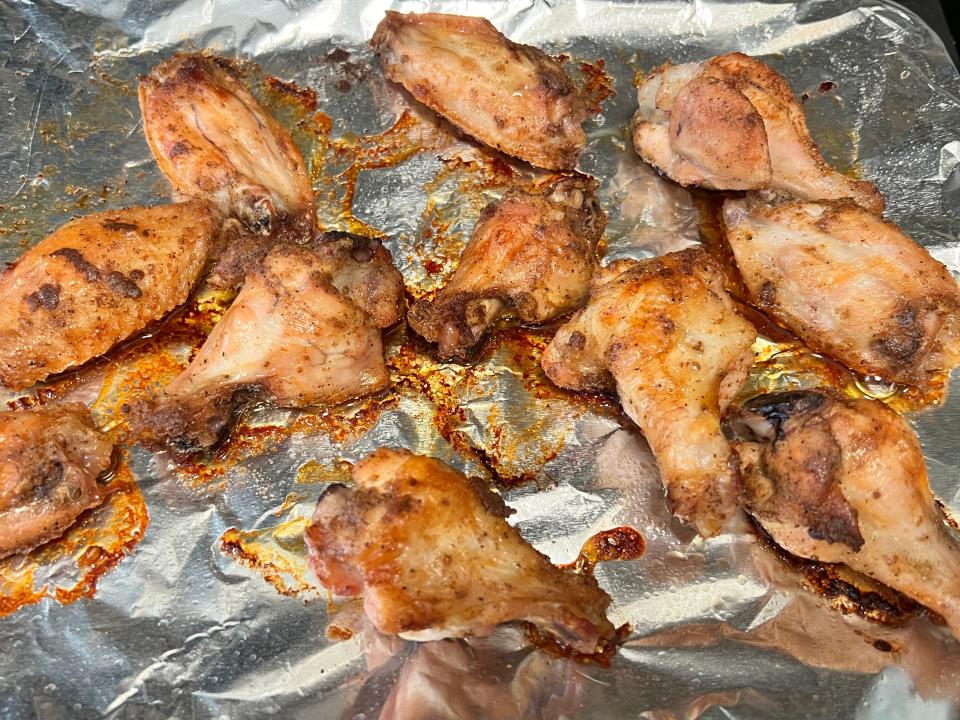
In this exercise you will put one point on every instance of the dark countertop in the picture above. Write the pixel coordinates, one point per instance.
(932, 13)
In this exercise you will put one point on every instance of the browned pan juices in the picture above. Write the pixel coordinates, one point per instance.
(276, 553)
(619, 543)
(845, 590)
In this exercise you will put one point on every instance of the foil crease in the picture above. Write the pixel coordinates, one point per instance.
(183, 628)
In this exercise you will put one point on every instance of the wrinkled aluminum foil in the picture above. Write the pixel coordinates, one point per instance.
(191, 623)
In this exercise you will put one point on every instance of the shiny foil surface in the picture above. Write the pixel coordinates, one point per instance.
(207, 610)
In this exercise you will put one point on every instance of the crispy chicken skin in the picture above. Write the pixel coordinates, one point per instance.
(50, 459)
(304, 330)
(665, 333)
(96, 281)
(843, 480)
(732, 123)
(849, 284)
(531, 255)
(213, 140)
(514, 98)
(433, 557)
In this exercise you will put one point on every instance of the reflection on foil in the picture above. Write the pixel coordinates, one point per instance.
(186, 625)
(657, 215)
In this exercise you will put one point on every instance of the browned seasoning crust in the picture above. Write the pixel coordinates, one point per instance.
(433, 557)
(512, 97)
(849, 284)
(665, 333)
(94, 282)
(843, 480)
(531, 256)
(50, 459)
(213, 140)
(732, 123)
(304, 330)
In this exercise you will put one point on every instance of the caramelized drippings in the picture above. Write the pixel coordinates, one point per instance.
(277, 553)
(598, 85)
(555, 646)
(512, 452)
(619, 543)
(313, 473)
(847, 591)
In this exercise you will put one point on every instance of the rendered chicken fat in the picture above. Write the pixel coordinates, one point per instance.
(433, 557)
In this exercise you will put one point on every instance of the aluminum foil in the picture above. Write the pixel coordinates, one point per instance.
(212, 614)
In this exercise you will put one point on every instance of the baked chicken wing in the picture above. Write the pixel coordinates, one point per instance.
(514, 98)
(849, 284)
(304, 330)
(732, 123)
(843, 480)
(433, 557)
(531, 255)
(213, 140)
(96, 281)
(50, 461)
(666, 335)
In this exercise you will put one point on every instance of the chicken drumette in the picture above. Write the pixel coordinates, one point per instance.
(514, 98)
(667, 336)
(531, 255)
(732, 123)
(95, 281)
(848, 284)
(843, 480)
(213, 140)
(304, 330)
(433, 557)
(50, 461)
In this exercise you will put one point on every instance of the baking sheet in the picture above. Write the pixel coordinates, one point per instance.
(721, 629)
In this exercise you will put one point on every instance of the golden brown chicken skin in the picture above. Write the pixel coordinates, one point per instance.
(732, 123)
(514, 98)
(667, 336)
(213, 140)
(843, 480)
(433, 557)
(96, 281)
(531, 256)
(849, 284)
(304, 330)
(50, 460)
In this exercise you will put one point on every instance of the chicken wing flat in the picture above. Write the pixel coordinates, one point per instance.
(94, 282)
(732, 123)
(50, 460)
(665, 333)
(214, 141)
(433, 557)
(514, 98)
(531, 255)
(843, 480)
(304, 330)
(849, 284)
